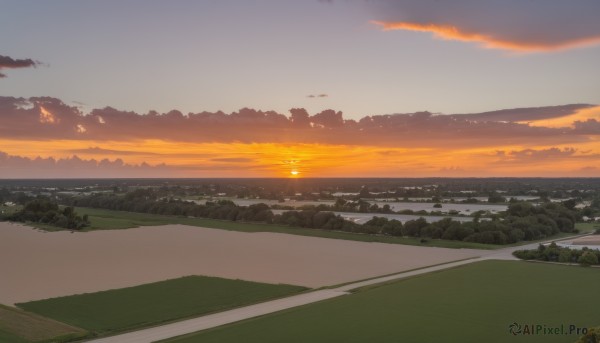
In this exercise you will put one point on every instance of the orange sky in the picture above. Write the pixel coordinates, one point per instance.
(559, 149)
(326, 160)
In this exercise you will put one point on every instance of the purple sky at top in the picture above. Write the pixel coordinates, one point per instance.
(271, 54)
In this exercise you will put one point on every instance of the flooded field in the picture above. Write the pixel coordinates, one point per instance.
(36, 265)
(394, 205)
(361, 218)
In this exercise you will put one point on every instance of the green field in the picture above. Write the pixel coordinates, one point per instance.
(18, 326)
(155, 303)
(473, 303)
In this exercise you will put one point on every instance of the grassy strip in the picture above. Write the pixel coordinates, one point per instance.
(473, 303)
(21, 326)
(102, 219)
(155, 303)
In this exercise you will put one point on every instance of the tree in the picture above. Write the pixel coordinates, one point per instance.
(565, 256)
(496, 198)
(588, 258)
(570, 204)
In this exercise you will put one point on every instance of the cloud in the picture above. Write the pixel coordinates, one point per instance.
(322, 95)
(7, 62)
(100, 151)
(527, 114)
(513, 25)
(44, 118)
(548, 154)
(588, 127)
(24, 167)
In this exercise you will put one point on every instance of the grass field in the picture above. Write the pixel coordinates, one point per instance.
(473, 303)
(108, 219)
(18, 326)
(587, 227)
(154, 303)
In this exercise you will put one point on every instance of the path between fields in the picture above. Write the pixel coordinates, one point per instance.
(183, 327)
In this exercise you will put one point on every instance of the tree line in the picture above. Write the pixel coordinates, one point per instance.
(521, 222)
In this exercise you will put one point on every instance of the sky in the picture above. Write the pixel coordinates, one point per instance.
(289, 88)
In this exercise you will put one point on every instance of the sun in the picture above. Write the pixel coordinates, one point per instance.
(294, 172)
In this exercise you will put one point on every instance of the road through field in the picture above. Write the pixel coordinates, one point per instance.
(210, 321)
(158, 333)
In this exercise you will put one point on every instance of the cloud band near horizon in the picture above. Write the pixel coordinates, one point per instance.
(43, 136)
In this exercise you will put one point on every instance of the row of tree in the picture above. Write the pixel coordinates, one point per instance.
(522, 221)
(554, 253)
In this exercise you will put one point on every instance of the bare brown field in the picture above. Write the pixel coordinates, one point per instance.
(37, 265)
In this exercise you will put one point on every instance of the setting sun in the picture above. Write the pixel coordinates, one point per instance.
(294, 172)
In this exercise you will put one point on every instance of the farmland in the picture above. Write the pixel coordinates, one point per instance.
(127, 308)
(110, 259)
(464, 304)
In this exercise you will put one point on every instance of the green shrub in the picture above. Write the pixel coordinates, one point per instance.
(588, 258)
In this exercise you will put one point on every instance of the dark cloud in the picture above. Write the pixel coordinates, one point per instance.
(515, 25)
(49, 118)
(7, 62)
(589, 127)
(24, 167)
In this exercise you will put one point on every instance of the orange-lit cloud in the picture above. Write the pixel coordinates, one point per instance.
(488, 41)
(46, 117)
(581, 115)
(512, 25)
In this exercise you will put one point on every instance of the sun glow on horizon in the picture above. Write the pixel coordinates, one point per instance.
(315, 160)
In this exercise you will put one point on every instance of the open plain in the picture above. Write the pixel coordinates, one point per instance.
(38, 265)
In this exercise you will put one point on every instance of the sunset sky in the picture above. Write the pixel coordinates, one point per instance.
(299, 88)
